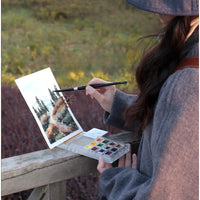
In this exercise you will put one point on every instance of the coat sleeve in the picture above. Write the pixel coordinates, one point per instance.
(174, 148)
(116, 116)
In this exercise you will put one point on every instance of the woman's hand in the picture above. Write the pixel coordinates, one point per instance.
(127, 160)
(104, 95)
(103, 166)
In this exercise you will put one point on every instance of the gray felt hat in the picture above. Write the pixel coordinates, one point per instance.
(168, 7)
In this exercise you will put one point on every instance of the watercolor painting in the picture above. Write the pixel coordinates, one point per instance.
(50, 109)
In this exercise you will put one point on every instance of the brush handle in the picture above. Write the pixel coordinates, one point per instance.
(93, 85)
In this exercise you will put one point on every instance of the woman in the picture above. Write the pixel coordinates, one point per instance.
(165, 112)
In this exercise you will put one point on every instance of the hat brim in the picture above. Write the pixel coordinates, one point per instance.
(169, 7)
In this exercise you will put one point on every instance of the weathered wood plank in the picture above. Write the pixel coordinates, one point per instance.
(39, 193)
(41, 168)
(57, 191)
(52, 191)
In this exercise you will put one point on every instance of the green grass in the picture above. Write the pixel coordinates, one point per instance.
(90, 39)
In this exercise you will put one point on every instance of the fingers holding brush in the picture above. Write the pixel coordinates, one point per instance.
(104, 96)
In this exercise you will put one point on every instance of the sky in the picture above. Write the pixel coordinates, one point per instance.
(37, 84)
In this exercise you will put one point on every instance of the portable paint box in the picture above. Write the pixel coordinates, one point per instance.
(103, 147)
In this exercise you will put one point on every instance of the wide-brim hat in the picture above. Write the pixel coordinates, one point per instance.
(168, 7)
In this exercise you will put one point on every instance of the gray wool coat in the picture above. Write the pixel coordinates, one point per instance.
(167, 166)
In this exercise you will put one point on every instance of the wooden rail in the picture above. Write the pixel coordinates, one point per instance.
(47, 171)
(44, 170)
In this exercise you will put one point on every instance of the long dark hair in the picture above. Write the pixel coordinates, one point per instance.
(155, 67)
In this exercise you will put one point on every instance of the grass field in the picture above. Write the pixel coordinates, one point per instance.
(77, 39)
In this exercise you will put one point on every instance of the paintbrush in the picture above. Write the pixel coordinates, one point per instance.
(92, 85)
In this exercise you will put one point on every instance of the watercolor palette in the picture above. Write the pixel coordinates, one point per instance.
(96, 148)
